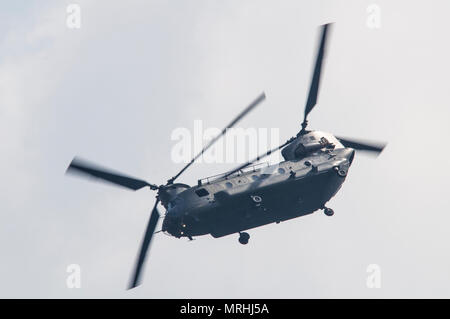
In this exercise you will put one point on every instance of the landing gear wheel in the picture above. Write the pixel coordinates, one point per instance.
(328, 211)
(243, 238)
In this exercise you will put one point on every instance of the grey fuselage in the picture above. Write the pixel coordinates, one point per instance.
(300, 185)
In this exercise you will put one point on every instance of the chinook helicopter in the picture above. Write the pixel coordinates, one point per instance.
(315, 166)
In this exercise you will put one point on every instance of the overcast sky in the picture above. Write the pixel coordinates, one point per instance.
(114, 90)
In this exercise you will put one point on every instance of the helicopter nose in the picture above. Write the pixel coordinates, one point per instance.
(175, 225)
(170, 225)
(170, 221)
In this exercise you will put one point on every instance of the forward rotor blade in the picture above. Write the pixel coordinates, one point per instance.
(258, 100)
(315, 80)
(362, 146)
(258, 158)
(145, 246)
(90, 169)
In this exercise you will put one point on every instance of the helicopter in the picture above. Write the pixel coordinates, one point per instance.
(314, 168)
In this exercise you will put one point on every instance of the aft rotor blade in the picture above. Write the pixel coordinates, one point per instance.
(258, 158)
(315, 80)
(84, 167)
(258, 100)
(362, 146)
(135, 281)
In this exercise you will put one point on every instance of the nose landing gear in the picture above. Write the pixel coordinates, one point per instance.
(243, 238)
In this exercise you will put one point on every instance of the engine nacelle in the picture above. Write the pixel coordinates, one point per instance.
(303, 150)
(309, 143)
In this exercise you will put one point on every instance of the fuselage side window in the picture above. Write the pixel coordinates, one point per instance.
(201, 192)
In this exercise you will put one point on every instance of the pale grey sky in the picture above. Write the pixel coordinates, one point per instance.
(114, 90)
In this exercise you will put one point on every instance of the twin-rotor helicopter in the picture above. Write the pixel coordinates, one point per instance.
(315, 166)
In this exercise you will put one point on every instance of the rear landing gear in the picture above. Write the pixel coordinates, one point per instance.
(328, 211)
(243, 238)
